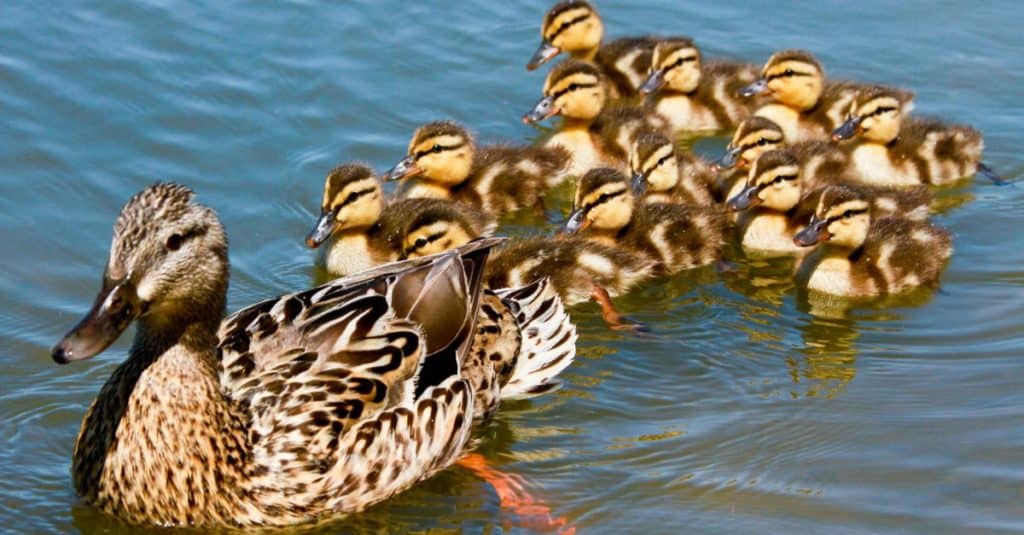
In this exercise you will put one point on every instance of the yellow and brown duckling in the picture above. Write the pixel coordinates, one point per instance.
(803, 103)
(446, 163)
(662, 174)
(778, 200)
(677, 237)
(316, 403)
(753, 137)
(895, 150)
(358, 230)
(575, 27)
(595, 135)
(696, 96)
(862, 256)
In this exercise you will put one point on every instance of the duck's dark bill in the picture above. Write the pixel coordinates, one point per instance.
(728, 160)
(759, 87)
(544, 53)
(577, 222)
(816, 232)
(324, 226)
(639, 184)
(544, 108)
(405, 168)
(653, 82)
(745, 199)
(116, 306)
(848, 130)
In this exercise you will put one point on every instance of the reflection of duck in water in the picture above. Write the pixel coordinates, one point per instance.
(828, 357)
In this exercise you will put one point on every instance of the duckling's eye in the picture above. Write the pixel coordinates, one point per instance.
(420, 243)
(573, 87)
(762, 142)
(848, 213)
(436, 148)
(174, 242)
(788, 72)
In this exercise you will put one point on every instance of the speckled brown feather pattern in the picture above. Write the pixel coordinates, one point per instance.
(719, 92)
(506, 178)
(637, 50)
(618, 125)
(677, 237)
(940, 152)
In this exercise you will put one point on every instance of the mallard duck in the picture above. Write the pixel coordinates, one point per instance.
(444, 158)
(360, 231)
(661, 174)
(779, 199)
(803, 103)
(861, 256)
(319, 402)
(574, 26)
(693, 95)
(753, 137)
(594, 135)
(893, 150)
(677, 237)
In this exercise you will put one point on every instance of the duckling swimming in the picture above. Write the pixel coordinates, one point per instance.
(360, 232)
(321, 402)
(661, 174)
(804, 105)
(677, 237)
(496, 178)
(574, 26)
(893, 150)
(697, 96)
(861, 256)
(754, 136)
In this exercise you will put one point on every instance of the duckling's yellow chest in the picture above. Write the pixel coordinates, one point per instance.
(795, 127)
(874, 165)
(351, 253)
(832, 275)
(422, 189)
(683, 113)
(770, 232)
(583, 148)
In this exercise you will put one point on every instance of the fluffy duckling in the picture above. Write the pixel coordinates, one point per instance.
(894, 150)
(677, 237)
(575, 27)
(754, 136)
(803, 103)
(360, 231)
(778, 199)
(496, 179)
(661, 174)
(693, 95)
(863, 256)
(593, 134)
(316, 403)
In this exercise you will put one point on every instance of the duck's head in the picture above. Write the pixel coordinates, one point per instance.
(754, 136)
(652, 161)
(168, 268)
(676, 66)
(571, 26)
(603, 202)
(435, 226)
(842, 217)
(574, 90)
(773, 182)
(352, 200)
(441, 151)
(794, 78)
(876, 114)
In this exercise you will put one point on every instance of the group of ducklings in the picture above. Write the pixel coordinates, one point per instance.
(331, 399)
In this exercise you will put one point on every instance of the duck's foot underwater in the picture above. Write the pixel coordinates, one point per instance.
(614, 320)
(514, 497)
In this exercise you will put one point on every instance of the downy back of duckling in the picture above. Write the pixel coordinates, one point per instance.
(660, 173)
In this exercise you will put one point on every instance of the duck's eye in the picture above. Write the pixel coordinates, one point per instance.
(436, 147)
(762, 142)
(788, 72)
(573, 87)
(420, 243)
(174, 242)
(848, 213)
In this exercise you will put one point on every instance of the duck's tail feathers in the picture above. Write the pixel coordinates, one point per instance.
(548, 340)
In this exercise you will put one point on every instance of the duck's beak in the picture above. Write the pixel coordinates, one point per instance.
(848, 130)
(576, 223)
(323, 229)
(728, 160)
(639, 184)
(544, 108)
(745, 199)
(759, 87)
(116, 306)
(403, 169)
(816, 231)
(544, 53)
(653, 82)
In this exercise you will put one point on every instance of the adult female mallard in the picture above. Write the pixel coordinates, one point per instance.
(319, 402)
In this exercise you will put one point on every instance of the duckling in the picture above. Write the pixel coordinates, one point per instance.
(894, 150)
(593, 134)
(803, 103)
(677, 237)
(320, 402)
(661, 174)
(495, 179)
(754, 136)
(574, 26)
(779, 198)
(863, 256)
(360, 231)
(693, 95)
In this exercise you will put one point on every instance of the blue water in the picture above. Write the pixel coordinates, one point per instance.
(749, 411)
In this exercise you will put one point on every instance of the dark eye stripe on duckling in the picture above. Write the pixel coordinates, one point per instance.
(779, 179)
(601, 199)
(568, 24)
(437, 148)
(879, 111)
(679, 62)
(573, 87)
(661, 161)
(759, 143)
(355, 195)
(849, 213)
(420, 243)
(788, 73)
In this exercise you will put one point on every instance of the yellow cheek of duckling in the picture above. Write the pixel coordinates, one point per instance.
(583, 35)
(362, 213)
(800, 92)
(684, 78)
(581, 104)
(612, 215)
(664, 177)
(881, 129)
(781, 197)
(849, 232)
(450, 167)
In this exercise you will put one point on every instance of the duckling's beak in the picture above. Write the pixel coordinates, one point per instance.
(544, 53)
(639, 184)
(544, 108)
(816, 231)
(848, 130)
(323, 229)
(576, 223)
(745, 199)
(653, 82)
(116, 306)
(403, 169)
(728, 160)
(759, 87)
